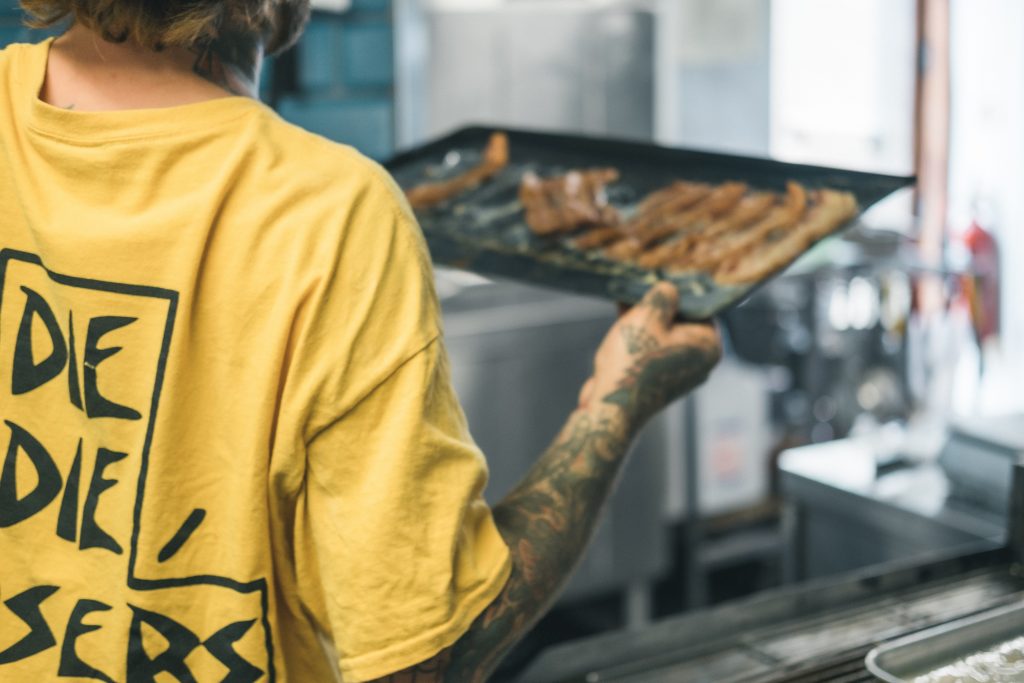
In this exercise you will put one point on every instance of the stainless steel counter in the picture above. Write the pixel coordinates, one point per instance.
(819, 631)
(815, 632)
(846, 511)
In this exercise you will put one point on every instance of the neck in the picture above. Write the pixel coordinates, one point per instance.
(87, 72)
(231, 62)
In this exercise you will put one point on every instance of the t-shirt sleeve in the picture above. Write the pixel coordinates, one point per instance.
(398, 541)
(396, 552)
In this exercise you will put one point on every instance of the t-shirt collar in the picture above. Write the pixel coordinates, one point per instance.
(102, 126)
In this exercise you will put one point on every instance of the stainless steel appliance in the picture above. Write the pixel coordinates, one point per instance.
(898, 494)
(850, 504)
(978, 459)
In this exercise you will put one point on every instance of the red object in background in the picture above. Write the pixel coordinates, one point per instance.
(983, 289)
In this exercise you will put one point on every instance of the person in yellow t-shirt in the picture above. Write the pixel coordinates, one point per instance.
(231, 450)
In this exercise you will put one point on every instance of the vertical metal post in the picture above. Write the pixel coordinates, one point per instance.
(792, 543)
(412, 71)
(639, 608)
(1015, 527)
(696, 584)
(932, 138)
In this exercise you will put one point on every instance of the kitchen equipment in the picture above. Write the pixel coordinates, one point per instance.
(818, 632)
(483, 230)
(978, 459)
(866, 501)
(922, 653)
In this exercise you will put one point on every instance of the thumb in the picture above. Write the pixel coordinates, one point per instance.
(662, 300)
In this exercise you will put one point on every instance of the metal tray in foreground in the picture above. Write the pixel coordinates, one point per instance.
(921, 653)
(484, 230)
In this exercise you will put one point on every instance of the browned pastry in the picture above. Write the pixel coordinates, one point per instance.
(681, 194)
(725, 198)
(568, 202)
(719, 201)
(634, 244)
(598, 237)
(749, 237)
(781, 247)
(749, 209)
(656, 199)
(495, 158)
(736, 236)
(652, 211)
(661, 254)
(649, 215)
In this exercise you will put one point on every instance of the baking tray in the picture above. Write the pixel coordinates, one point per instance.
(915, 655)
(484, 230)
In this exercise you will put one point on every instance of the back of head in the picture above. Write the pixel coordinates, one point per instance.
(179, 23)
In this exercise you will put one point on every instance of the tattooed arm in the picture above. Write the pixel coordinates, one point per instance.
(644, 363)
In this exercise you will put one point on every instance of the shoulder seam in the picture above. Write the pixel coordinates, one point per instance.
(388, 374)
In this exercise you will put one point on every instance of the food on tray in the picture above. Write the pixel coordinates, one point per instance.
(774, 249)
(652, 212)
(783, 213)
(598, 236)
(665, 225)
(657, 206)
(566, 203)
(736, 234)
(495, 158)
(749, 209)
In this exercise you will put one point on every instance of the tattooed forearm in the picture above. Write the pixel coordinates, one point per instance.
(663, 375)
(546, 521)
(231, 61)
(550, 517)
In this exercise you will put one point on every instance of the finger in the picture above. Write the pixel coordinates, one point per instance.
(700, 335)
(698, 332)
(662, 300)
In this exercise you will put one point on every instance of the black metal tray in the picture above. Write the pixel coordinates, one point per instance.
(484, 229)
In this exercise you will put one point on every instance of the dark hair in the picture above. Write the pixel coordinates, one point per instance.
(184, 23)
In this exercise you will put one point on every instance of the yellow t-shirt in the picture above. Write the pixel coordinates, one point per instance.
(228, 428)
